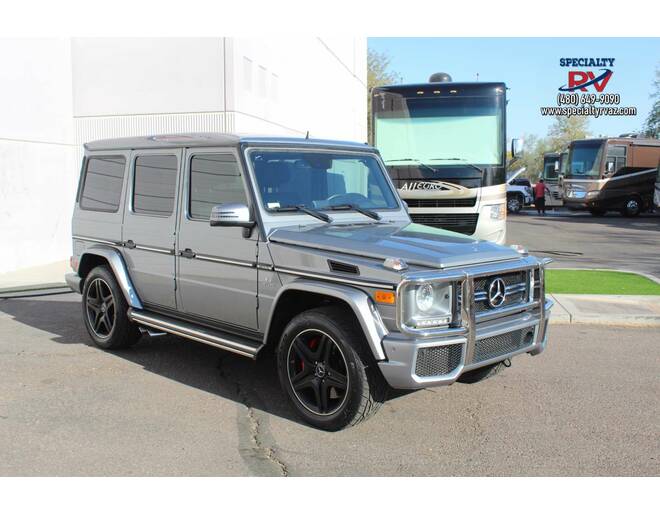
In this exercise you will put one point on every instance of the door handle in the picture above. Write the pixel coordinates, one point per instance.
(187, 253)
(130, 244)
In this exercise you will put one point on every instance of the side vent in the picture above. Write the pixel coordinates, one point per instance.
(342, 267)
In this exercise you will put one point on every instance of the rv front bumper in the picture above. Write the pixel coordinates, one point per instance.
(422, 362)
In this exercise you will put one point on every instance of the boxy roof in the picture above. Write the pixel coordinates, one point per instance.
(205, 139)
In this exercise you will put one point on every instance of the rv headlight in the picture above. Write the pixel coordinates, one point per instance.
(427, 305)
(497, 211)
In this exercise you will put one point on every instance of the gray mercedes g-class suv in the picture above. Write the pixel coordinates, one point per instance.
(301, 245)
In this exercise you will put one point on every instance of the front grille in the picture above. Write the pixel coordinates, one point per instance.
(516, 284)
(464, 223)
(491, 347)
(438, 360)
(441, 202)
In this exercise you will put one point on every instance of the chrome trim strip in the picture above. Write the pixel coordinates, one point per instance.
(190, 333)
(154, 249)
(221, 260)
(267, 267)
(95, 240)
(329, 278)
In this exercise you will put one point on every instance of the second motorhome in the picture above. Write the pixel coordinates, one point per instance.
(551, 176)
(611, 174)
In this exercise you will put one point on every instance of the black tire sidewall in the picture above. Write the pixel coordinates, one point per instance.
(356, 375)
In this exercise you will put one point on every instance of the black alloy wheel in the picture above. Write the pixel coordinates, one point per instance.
(105, 311)
(317, 372)
(100, 308)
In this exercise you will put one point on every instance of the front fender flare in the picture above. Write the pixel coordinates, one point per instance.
(363, 307)
(119, 269)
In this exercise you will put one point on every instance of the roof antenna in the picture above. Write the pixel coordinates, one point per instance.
(307, 135)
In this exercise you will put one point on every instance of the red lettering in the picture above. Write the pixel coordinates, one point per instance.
(575, 78)
(603, 83)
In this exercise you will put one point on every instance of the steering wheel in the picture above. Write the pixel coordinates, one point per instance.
(352, 198)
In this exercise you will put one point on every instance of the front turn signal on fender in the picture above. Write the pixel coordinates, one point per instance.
(388, 297)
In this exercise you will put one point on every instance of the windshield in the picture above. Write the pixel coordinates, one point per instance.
(549, 171)
(440, 131)
(320, 180)
(584, 160)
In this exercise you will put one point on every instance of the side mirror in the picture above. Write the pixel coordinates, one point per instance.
(405, 205)
(610, 167)
(556, 165)
(517, 147)
(231, 215)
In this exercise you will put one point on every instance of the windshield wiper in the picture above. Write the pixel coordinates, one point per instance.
(420, 163)
(463, 161)
(301, 208)
(356, 208)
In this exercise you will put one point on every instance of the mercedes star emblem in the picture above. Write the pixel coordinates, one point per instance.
(496, 293)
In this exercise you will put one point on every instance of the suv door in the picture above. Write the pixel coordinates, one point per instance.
(216, 266)
(149, 225)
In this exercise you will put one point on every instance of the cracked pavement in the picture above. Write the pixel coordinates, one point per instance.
(587, 406)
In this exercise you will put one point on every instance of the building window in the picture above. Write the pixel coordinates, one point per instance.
(154, 184)
(214, 179)
(247, 74)
(104, 178)
(262, 81)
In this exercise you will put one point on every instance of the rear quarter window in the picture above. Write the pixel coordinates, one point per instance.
(103, 182)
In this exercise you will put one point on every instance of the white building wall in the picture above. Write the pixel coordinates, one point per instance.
(57, 94)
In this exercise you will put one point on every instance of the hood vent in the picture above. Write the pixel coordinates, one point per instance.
(342, 267)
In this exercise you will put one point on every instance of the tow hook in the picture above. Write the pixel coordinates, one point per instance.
(507, 363)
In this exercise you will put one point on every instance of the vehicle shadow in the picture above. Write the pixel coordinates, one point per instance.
(254, 384)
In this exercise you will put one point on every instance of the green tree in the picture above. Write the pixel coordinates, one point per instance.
(564, 130)
(652, 124)
(378, 74)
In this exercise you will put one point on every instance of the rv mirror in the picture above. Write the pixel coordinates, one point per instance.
(556, 165)
(610, 167)
(516, 148)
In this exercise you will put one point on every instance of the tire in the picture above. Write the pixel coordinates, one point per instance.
(514, 203)
(327, 370)
(105, 311)
(632, 207)
(479, 374)
(597, 212)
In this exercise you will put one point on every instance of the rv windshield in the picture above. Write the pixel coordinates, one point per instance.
(441, 131)
(549, 170)
(584, 160)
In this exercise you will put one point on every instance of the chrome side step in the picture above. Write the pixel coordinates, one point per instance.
(229, 342)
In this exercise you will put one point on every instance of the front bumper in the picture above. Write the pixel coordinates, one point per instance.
(401, 368)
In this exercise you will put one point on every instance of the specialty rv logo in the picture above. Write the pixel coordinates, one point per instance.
(584, 79)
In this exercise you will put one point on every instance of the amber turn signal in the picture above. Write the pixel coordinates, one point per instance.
(385, 297)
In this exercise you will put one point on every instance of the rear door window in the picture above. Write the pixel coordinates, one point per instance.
(104, 178)
(154, 184)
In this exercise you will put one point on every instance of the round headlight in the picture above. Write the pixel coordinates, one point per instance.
(424, 297)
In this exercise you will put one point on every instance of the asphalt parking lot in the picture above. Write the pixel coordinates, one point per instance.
(587, 406)
(579, 240)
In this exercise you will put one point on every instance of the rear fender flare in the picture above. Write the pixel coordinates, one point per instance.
(119, 269)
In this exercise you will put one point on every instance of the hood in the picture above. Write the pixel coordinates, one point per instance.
(417, 244)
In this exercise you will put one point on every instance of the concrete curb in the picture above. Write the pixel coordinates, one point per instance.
(618, 310)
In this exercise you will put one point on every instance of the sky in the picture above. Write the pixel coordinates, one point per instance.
(530, 68)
